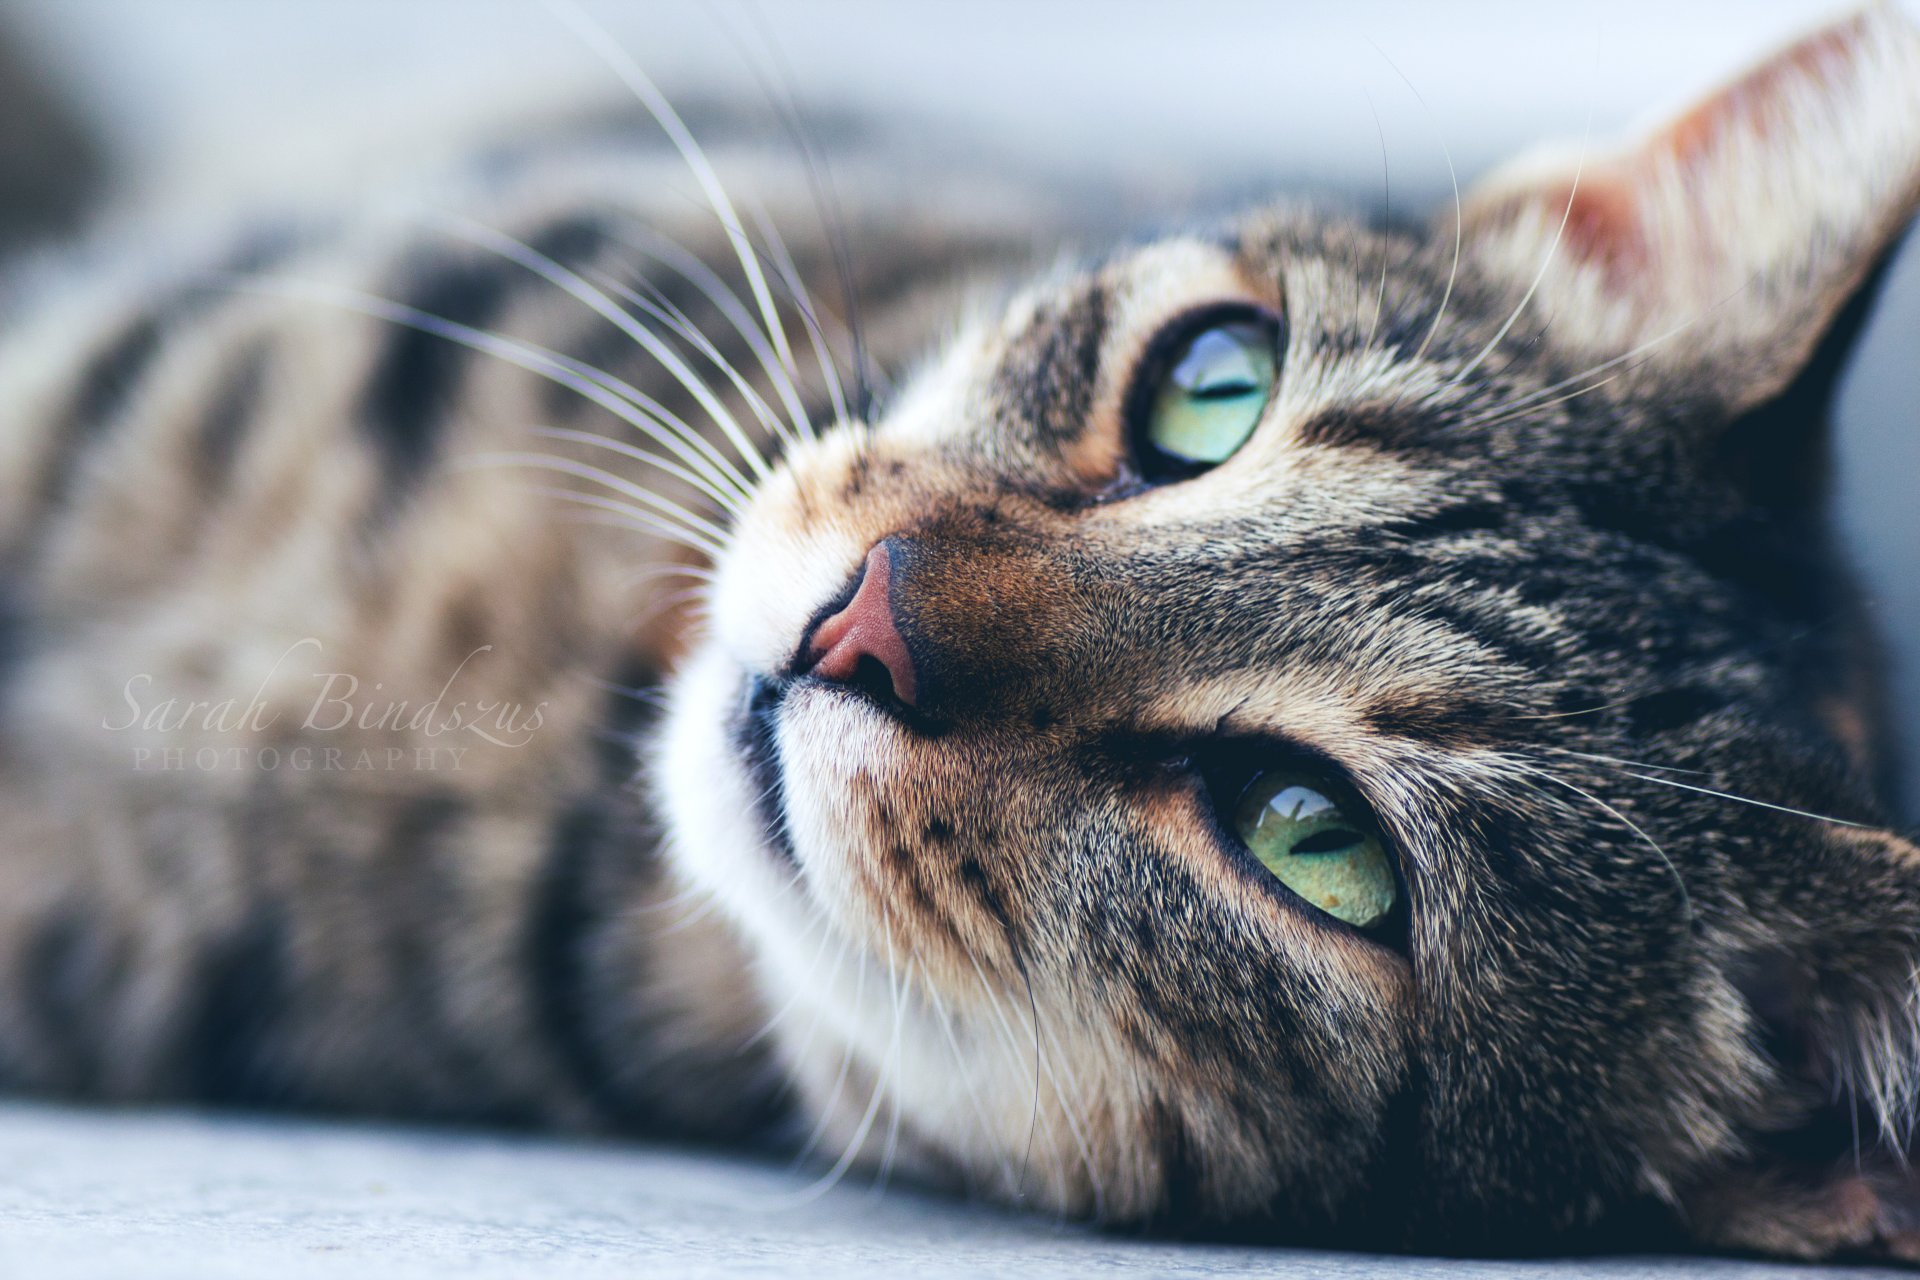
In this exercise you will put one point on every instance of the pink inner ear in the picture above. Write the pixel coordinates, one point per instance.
(1603, 224)
(1754, 101)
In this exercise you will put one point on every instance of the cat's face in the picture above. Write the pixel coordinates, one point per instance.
(1027, 866)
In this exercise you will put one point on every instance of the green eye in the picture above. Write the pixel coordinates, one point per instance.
(1315, 847)
(1208, 397)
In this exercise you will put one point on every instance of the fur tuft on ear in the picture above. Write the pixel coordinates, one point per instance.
(1745, 224)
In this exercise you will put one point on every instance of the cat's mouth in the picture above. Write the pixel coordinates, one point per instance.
(756, 739)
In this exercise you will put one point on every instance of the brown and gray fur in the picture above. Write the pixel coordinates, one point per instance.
(1528, 546)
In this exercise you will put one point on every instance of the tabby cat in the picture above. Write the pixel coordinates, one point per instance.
(1291, 729)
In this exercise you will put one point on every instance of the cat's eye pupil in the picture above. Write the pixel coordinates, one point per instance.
(1208, 394)
(1298, 830)
(1338, 840)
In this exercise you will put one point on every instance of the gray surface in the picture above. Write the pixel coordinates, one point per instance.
(133, 1196)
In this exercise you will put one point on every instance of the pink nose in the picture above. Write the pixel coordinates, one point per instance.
(865, 630)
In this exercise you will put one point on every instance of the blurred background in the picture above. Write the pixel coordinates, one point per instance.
(1174, 109)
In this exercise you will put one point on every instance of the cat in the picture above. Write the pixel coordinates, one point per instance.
(1291, 729)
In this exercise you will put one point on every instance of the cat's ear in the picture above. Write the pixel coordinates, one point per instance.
(1722, 246)
(1830, 977)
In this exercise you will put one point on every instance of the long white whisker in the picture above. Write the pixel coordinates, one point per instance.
(1008, 1176)
(1760, 804)
(891, 1146)
(792, 1001)
(680, 325)
(605, 478)
(1386, 214)
(1012, 1043)
(1536, 406)
(1459, 224)
(1573, 193)
(644, 521)
(699, 575)
(864, 1128)
(590, 440)
(1074, 1129)
(1615, 760)
(846, 1067)
(571, 282)
(1686, 899)
(643, 88)
(809, 317)
(675, 257)
(813, 1027)
(625, 402)
(826, 202)
(1501, 412)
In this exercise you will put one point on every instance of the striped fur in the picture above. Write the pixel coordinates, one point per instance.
(1553, 624)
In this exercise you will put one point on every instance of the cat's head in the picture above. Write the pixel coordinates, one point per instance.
(1250, 734)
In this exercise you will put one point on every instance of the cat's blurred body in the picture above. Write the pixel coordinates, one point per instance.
(334, 585)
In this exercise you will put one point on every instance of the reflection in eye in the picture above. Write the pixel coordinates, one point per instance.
(1211, 396)
(1315, 848)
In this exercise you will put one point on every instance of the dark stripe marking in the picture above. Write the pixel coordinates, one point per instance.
(64, 971)
(414, 853)
(559, 929)
(1670, 709)
(235, 1007)
(416, 375)
(104, 386)
(235, 402)
(567, 908)
(1461, 517)
(1051, 374)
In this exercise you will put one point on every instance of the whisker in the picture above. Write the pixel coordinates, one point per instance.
(1009, 1179)
(643, 88)
(1074, 1129)
(1686, 899)
(591, 440)
(826, 201)
(813, 1027)
(606, 479)
(660, 308)
(623, 519)
(1537, 406)
(1638, 764)
(1553, 248)
(1761, 804)
(846, 1067)
(891, 1145)
(701, 575)
(644, 521)
(1386, 219)
(676, 258)
(864, 1128)
(1033, 1015)
(615, 396)
(809, 319)
(1527, 401)
(1459, 224)
(819, 920)
(571, 282)
(1013, 1051)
